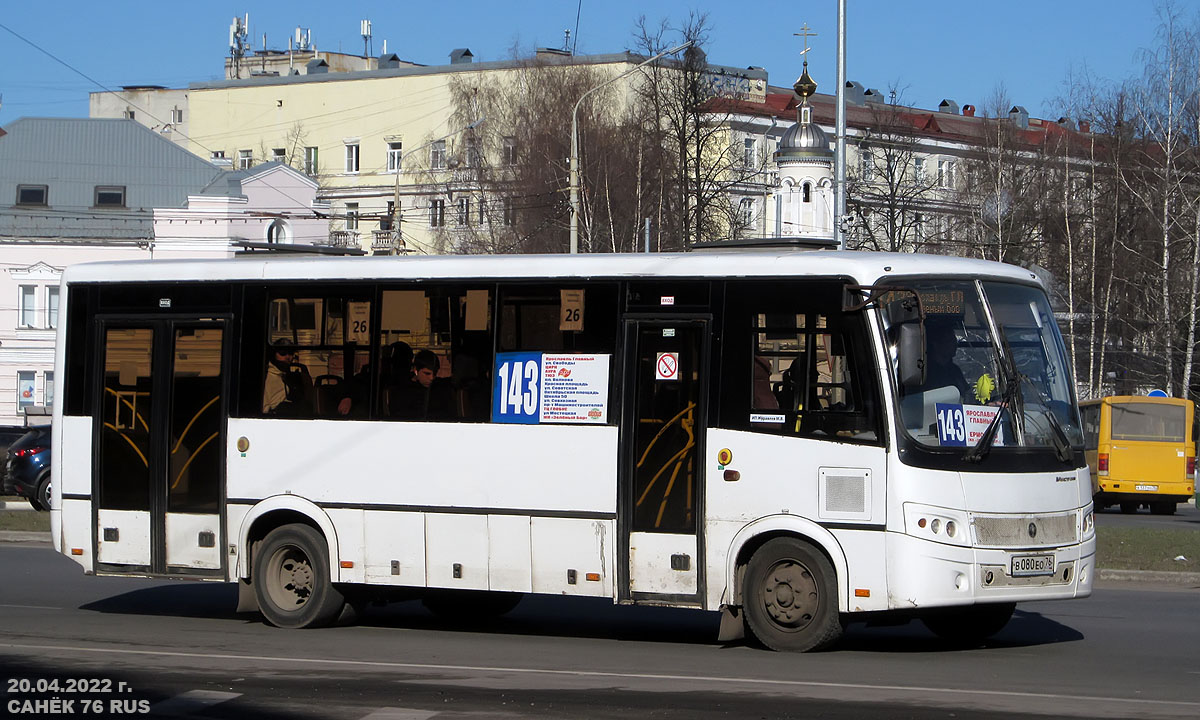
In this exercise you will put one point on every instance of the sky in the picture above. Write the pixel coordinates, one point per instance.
(928, 51)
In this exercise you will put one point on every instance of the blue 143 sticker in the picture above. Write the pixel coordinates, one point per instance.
(951, 424)
(517, 396)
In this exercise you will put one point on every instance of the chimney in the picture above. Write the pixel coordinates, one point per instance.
(873, 96)
(389, 61)
(1085, 126)
(458, 56)
(316, 66)
(968, 110)
(1019, 117)
(854, 93)
(1066, 122)
(948, 106)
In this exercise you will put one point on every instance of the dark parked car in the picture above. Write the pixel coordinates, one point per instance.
(9, 434)
(28, 467)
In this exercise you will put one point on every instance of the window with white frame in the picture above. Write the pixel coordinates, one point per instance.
(25, 380)
(946, 173)
(437, 213)
(510, 212)
(277, 231)
(867, 167)
(129, 114)
(918, 170)
(352, 157)
(473, 157)
(278, 154)
(310, 161)
(26, 309)
(482, 210)
(395, 151)
(48, 392)
(351, 216)
(245, 159)
(52, 306)
(749, 152)
(176, 115)
(509, 155)
(217, 155)
(437, 155)
(806, 192)
(746, 212)
(464, 211)
(32, 194)
(919, 226)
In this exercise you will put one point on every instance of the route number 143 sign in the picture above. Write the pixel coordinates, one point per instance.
(533, 388)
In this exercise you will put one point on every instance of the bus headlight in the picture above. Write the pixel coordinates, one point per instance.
(1087, 523)
(937, 524)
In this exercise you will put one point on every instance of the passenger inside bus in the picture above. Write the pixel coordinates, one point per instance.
(427, 397)
(940, 369)
(287, 391)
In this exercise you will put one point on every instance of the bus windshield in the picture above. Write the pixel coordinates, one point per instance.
(996, 371)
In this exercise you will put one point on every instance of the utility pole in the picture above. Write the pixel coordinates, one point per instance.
(839, 202)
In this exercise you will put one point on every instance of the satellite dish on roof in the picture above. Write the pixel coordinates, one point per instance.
(1156, 393)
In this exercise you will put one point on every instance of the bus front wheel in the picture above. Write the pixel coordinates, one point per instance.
(291, 579)
(790, 597)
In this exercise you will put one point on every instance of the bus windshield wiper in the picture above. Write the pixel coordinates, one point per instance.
(1011, 398)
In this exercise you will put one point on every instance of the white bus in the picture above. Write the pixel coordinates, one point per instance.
(761, 434)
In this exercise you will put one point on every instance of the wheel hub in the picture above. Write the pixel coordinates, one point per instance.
(296, 576)
(791, 595)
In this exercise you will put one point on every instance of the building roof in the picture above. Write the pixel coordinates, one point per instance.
(230, 182)
(72, 156)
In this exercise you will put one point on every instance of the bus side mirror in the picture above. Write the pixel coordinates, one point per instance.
(910, 351)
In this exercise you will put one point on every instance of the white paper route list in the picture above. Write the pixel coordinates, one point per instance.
(575, 389)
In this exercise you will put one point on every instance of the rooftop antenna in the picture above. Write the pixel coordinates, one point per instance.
(238, 34)
(567, 40)
(365, 30)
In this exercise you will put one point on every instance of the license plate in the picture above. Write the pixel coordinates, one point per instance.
(1146, 488)
(1026, 565)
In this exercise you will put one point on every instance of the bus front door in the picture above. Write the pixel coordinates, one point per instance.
(159, 465)
(663, 436)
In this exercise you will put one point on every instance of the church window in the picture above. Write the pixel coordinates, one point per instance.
(806, 192)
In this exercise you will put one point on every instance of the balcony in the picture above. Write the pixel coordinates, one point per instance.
(387, 242)
(344, 239)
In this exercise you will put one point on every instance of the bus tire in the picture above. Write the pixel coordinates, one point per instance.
(969, 625)
(790, 597)
(1162, 508)
(291, 579)
(44, 499)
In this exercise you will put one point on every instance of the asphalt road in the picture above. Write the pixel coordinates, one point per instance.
(1128, 651)
(1186, 517)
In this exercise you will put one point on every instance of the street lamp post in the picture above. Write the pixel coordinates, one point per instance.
(575, 138)
(400, 165)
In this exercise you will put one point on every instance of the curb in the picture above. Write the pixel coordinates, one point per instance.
(1149, 576)
(19, 536)
(15, 506)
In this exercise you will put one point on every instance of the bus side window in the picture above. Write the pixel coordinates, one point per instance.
(435, 354)
(316, 363)
(808, 372)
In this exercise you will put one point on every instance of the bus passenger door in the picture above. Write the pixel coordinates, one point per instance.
(159, 471)
(662, 430)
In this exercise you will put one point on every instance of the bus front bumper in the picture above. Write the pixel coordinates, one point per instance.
(923, 574)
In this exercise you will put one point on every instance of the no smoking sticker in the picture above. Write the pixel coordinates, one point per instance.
(667, 366)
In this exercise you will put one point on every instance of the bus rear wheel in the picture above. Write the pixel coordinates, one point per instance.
(291, 579)
(790, 597)
(969, 625)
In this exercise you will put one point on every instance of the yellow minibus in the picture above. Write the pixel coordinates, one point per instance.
(1140, 451)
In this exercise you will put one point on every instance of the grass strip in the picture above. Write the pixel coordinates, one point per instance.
(25, 520)
(1136, 548)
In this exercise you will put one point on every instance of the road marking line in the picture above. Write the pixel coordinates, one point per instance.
(31, 607)
(719, 680)
(191, 701)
